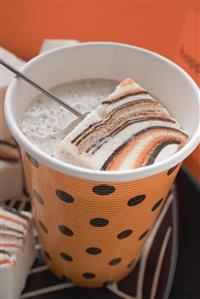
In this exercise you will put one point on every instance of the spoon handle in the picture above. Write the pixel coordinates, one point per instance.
(40, 88)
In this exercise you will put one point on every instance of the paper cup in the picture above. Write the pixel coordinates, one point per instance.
(93, 224)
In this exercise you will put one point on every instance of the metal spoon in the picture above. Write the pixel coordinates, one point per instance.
(41, 89)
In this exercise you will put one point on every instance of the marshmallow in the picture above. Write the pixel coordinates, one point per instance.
(11, 174)
(49, 44)
(10, 165)
(17, 251)
(130, 129)
(6, 77)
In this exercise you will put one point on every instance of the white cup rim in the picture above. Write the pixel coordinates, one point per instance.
(90, 174)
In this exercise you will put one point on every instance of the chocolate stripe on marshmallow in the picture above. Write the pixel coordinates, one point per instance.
(134, 117)
(110, 115)
(8, 152)
(5, 142)
(8, 159)
(122, 146)
(137, 92)
(19, 214)
(160, 127)
(125, 125)
(130, 110)
(159, 148)
(7, 228)
(10, 237)
(5, 252)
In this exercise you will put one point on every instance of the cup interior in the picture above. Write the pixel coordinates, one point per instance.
(162, 78)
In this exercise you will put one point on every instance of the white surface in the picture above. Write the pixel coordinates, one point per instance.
(164, 79)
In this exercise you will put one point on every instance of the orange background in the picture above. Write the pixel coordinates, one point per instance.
(152, 24)
(161, 26)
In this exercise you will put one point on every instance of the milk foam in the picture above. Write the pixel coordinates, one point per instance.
(46, 123)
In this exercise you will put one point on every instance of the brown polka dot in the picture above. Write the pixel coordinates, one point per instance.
(47, 255)
(93, 250)
(171, 170)
(64, 196)
(131, 263)
(66, 257)
(115, 261)
(99, 222)
(143, 235)
(125, 234)
(38, 197)
(32, 160)
(89, 275)
(103, 189)
(43, 227)
(157, 204)
(65, 230)
(136, 200)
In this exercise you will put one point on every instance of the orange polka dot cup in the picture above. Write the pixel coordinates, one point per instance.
(93, 224)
